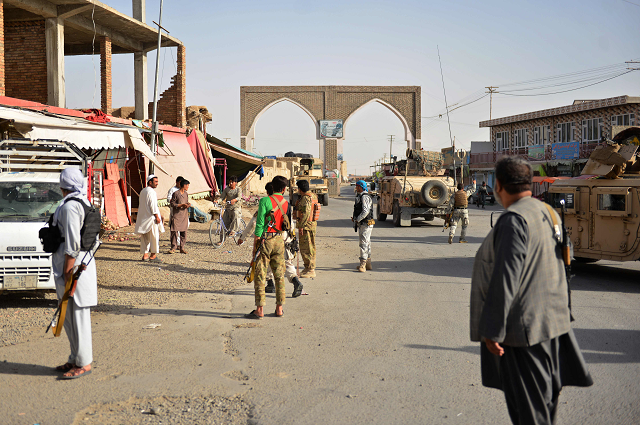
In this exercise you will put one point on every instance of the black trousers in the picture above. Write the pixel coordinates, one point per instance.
(531, 383)
(532, 377)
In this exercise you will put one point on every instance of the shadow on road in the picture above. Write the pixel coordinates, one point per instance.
(472, 349)
(449, 266)
(609, 345)
(11, 368)
(605, 278)
(26, 299)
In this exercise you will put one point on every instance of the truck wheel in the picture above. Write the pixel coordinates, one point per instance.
(429, 218)
(434, 193)
(379, 215)
(325, 199)
(293, 199)
(396, 214)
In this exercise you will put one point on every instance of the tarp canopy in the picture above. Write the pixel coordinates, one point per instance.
(83, 134)
(177, 159)
(202, 158)
(239, 161)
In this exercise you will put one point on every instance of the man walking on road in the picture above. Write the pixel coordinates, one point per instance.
(289, 255)
(363, 217)
(149, 221)
(459, 212)
(233, 212)
(179, 222)
(307, 228)
(271, 221)
(520, 303)
(69, 217)
(482, 194)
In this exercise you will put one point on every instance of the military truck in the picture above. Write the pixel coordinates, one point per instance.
(310, 169)
(603, 204)
(414, 187)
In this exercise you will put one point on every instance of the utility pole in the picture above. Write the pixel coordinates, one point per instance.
(154, 122)
(391, 136)
(491, 91)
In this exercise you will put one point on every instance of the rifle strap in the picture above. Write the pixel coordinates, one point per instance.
(285, 218)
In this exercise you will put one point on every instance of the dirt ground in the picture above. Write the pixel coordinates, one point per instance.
(129, 290)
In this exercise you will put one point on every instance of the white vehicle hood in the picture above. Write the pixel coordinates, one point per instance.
(20, 237)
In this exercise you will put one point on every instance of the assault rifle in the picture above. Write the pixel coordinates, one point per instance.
(70, 289)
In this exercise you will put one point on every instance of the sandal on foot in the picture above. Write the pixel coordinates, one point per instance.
(65, 367)
(279, 315)
(76, 372)
(253, 315)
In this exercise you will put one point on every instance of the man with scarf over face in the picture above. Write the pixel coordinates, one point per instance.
(69, 217)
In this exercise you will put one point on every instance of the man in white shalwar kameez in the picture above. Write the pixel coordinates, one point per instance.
(69, 217)
(149, 221)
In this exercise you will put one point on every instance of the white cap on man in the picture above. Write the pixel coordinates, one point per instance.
(151, 177)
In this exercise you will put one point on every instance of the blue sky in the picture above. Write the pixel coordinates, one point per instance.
(482, 43)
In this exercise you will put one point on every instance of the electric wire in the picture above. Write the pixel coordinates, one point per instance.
(565, 91)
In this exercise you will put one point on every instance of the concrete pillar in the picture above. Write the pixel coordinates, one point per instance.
(2, 84)
(140, 73)
(181, 87)
(105, 75)
(54, 38)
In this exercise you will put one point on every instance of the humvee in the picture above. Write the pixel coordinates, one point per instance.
(602, 213)
(310, 169)
(414, 188)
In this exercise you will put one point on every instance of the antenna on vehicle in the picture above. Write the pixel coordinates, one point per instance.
(453, 143)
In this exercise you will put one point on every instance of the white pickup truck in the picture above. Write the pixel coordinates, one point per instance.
(29, 194)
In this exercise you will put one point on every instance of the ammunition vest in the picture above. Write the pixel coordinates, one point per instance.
(357, 208)
(460, 200)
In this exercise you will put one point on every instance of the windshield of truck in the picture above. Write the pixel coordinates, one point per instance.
(28, 201)
(316, 181)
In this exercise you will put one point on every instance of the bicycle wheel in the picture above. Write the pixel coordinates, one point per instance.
(217, 234)
(241, 226)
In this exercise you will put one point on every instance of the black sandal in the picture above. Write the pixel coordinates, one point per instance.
(253, 315)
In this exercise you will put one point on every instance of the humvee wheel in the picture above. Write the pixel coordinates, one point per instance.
(379, 215)
(396, 214)
(434, 193)
(325, 199)
(293, 199)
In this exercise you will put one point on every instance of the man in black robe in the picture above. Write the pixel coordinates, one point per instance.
(520, 303)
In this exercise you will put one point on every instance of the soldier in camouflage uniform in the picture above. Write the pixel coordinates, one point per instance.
(270, 223)
(307, 228)
(459, 202)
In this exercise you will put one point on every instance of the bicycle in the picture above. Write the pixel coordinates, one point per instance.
(218, 231)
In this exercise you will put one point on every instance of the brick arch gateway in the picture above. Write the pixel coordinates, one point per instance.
(330, 103)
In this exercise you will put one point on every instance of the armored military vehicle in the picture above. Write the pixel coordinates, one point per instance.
(414, 187)
(310, 169)
(603, 204)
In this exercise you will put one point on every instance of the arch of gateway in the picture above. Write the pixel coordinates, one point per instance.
(330, 103)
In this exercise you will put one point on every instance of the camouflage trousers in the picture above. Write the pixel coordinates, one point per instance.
(456, 215)
(271, 255)
(364, 233)
(308, 248)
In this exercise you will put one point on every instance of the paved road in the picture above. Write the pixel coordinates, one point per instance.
(392, 345)
(389, 346)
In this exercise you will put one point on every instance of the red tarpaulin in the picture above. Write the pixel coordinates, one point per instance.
(203, 160)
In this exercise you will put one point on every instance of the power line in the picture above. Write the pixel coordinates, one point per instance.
(565, 91)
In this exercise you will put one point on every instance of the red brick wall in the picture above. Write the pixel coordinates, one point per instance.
(172, 103)
(105, 75)
(25, 59)
(2, 89)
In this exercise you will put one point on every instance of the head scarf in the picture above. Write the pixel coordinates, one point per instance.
(71, 179)
(362, 184)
